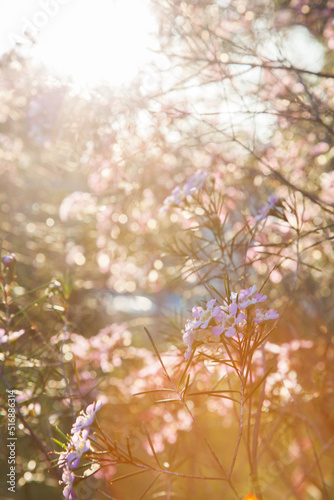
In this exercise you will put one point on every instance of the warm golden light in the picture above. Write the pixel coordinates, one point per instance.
(94, 41)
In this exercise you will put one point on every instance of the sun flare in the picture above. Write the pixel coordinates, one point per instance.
(100, 40)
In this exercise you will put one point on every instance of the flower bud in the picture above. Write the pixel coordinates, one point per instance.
(54, 287)
(9, 261)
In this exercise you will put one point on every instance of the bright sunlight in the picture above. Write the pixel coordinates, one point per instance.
(92, 41)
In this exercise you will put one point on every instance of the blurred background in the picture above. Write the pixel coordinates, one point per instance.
(105, 107)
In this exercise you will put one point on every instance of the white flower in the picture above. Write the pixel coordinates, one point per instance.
(86, 418)
(79, 445)
(10, 337)
(68, 478)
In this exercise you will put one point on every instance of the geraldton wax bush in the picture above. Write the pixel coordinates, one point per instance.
(231, 319)
(224, 339)
(167, 264)
(224, 375)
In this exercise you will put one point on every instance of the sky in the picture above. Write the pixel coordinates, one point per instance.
(109, 40)
(91, 40)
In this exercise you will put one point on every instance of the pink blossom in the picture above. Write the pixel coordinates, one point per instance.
(78, 445)
(171, 424)
(10, 337)
(329, 33)
(177, 196)
(266, 208)
(195, 183)
(233, 308)
(204, 316)
(246, 298)
(68, 478)
(261, 316)
(319, 148)
(77, 205)
(188, 340)
(209, 323)
(232, 321)
(86, 419)
(197, 328)
(217, 330)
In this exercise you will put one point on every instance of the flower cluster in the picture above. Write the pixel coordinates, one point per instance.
(77, 205)
(209, 323)
(77, 446)
(194, 184)
(329, 33)
(266, 208)
(4, 338)
(86, 419)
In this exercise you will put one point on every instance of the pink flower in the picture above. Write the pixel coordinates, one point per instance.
(68, 478)
(188, 339)
(246, 298)
(261, 316)
(77, 205)
(233, 308)
(195, 183)
(204, 316)
(197, 327)
(232, 321)
(217, 330)
(266, 208)
(209, 323)
(230, 332)
(78, 445)
(329, 33)
(177, 196)
(86, 419)
(187, 354)
(10, 337)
